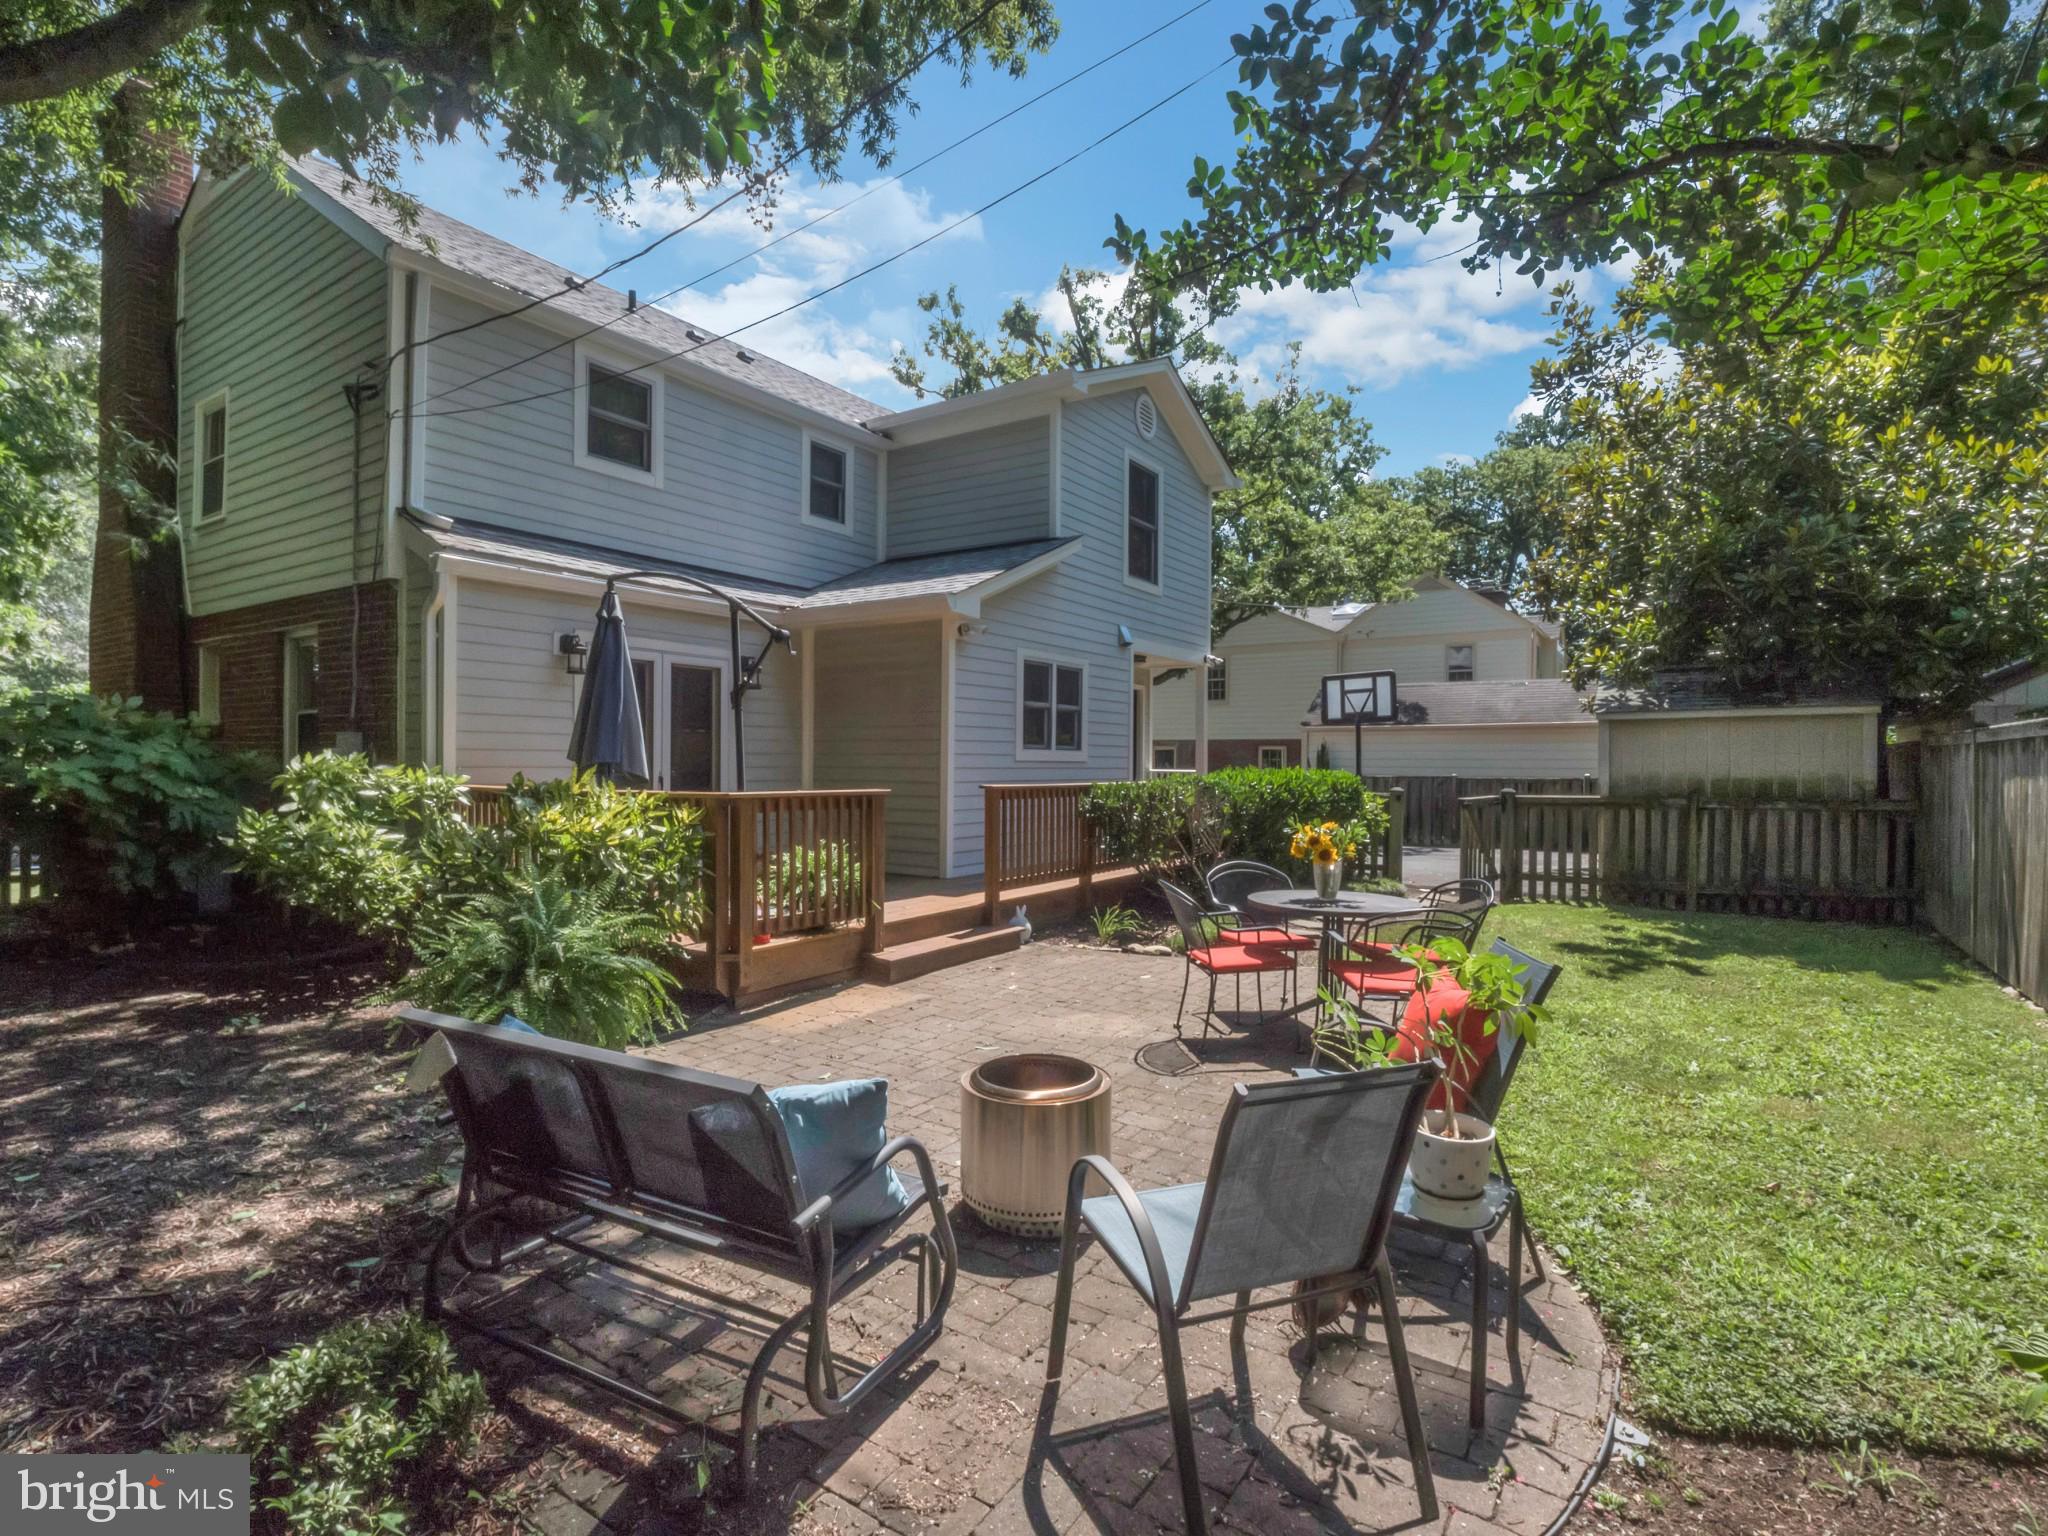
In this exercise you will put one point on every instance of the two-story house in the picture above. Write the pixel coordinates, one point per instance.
(411, 453)
(1477, 682)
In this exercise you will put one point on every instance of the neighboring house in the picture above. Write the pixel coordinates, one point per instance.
(2017, 692)
(1684, 734)
(1477, 680)
(981, 590)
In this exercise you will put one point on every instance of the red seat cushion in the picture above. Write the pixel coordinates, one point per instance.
(1240, 959)
(1447, 1001)
(1272, 938)
(1375, 978)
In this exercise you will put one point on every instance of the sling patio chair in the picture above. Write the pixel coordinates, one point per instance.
(1301, 1187)
(1215, 957)
(1230, 884)
(1480, 1087)
(699, 1162)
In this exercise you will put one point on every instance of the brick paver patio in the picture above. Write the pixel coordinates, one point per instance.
(955, 1444)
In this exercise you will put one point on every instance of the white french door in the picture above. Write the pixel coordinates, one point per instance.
(682, 710)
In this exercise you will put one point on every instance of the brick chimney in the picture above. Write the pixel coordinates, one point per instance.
(137, 623)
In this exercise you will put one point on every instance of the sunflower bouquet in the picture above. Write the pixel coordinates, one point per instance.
(1327, 842)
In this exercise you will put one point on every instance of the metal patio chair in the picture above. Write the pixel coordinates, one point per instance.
(1216, 957)
(1301, 1187)
(1229, 884)
(697, 1161)
(1500, 1203)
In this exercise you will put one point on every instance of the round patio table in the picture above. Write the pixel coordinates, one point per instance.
(1297, 904)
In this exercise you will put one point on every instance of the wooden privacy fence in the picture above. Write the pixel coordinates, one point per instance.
(1787, 859)
(1984, 847)
(806, 865)
(1431, 800)
(1035, 833)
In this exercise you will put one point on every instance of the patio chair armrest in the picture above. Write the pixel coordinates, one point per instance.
(1134, 1208)
(818, 1209)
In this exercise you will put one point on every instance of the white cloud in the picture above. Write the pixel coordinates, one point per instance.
(818, 338)
(1423, 313)
(1455, 460)
(1529, 405)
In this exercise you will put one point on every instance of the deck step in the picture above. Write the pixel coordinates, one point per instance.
(930, 918)
(903, 962)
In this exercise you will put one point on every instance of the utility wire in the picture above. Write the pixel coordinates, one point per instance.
(864, 103)
(867, 271)
(810, 224)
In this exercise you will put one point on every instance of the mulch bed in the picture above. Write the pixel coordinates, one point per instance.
(206, 1158)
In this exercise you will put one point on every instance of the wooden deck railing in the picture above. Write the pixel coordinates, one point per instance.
(778, 864)
(1848, 860)
(1033, 833)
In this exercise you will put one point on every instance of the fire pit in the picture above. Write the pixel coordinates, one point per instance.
(1023, 1121)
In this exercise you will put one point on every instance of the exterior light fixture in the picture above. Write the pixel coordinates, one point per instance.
(574, 651)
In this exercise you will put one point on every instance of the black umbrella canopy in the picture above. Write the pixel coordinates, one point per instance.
(607, 735)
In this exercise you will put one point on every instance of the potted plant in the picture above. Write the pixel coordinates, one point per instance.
(1453, 1147)
(1325, 846)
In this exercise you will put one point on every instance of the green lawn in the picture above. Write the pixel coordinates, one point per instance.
(1799, 1167)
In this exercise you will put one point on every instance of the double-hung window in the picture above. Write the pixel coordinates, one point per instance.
(1141, 523)
(620, 419)
(1219, 682)
(212, 448)
(301, 695)
(1458, 665)
(1050, 707)
(825, 494)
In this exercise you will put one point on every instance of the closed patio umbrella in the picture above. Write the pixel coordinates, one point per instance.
(607, 735)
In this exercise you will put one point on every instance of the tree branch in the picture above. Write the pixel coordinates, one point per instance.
(51, 66)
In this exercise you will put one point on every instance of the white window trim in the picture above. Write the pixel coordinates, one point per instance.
(287, 691)
(1469, 645)
(803, 469)
(1266, 747)
(1124, 522)
(658, 411)
(200, 411)
(1220, 672)
(1172, 750)
(1049, 754)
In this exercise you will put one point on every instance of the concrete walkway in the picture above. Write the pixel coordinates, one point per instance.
(956, 1445)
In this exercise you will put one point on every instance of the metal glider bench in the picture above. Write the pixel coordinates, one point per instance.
(690, 1158)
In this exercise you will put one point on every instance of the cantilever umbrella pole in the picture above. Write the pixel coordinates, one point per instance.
(742, 670)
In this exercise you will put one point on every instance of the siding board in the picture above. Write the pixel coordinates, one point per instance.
(988, 487)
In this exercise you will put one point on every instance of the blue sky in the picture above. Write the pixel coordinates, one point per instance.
(1439, 357)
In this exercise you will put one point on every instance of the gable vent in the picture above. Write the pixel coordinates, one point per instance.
(1148, 415)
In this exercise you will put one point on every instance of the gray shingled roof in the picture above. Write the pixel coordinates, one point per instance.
(1326, 616)
(915, 576)
(471, 251)
(1536, 701)
(929, 575)
(1689, 690)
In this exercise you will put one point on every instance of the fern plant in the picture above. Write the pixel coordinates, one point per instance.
(563, 960)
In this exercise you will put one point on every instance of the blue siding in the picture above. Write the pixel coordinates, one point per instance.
(988, 487)
(1071, 613)
(731, 496)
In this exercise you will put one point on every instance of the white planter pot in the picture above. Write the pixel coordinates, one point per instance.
(1451, 1169)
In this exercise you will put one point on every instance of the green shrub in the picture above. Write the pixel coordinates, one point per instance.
(388, 850)
(1112, 923)
(367, 846)
(565, 960)
(124, 801)
(1144, 822)
(1177, 823)
(353, 1433)
(804, 879)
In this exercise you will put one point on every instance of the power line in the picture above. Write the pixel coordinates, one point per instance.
(790, 234)
(868, 271)
(953, 36)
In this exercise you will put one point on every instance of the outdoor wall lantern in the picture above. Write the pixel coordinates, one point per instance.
(574, 651)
